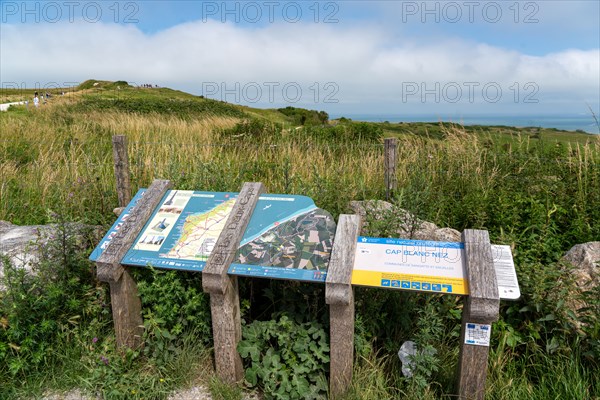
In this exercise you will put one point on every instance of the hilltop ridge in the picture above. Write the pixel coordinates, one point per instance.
(120, 96)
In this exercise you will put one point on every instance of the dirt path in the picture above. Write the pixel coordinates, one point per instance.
(4, 107)
(193, 393)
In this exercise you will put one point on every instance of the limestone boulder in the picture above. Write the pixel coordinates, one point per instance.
(23, 246)
(378, 215)
(585, 259)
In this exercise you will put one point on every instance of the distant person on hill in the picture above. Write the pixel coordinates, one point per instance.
(36, 100)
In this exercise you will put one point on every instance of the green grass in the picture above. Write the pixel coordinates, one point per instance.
(74, 365)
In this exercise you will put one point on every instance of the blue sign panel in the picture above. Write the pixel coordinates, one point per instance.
(287, 237)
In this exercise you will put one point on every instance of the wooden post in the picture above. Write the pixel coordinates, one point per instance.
(390, 150)
(481, 308)
(223, 289)
(121, 160)
(340, 297)
(125, 302)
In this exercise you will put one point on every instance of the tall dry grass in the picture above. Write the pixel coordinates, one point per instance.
(53, 159)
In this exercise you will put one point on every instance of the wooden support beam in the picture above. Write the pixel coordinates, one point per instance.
(390, 154)
(125, 302)
(480, 310)
(340, 297)
(121, 161)
(223, 289)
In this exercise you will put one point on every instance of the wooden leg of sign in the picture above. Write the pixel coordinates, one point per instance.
(127, 311)
(473, 363)
(481, 308)
(223, 289)
(227, 332)
(125, 301)
(340, 297)
(342, 346)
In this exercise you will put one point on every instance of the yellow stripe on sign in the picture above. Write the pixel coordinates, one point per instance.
(424, 283)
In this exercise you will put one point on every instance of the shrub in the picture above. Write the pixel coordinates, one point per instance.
(178, 107)
(173, 302)
(52, 305)
(303, 116)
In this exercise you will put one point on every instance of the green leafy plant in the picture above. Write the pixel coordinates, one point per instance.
(173, 303)
(285, 359)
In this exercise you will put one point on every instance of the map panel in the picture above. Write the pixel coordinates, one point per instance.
(287, 237)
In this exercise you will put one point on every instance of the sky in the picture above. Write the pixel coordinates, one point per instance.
(344, 57)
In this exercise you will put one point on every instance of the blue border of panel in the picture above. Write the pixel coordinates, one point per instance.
(257, 271)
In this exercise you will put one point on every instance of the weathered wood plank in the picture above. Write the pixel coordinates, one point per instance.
(125, 301)
(121, 161)
(223, 289)
(127, 311)
(109, 263)
(390, 159)
(227, 332)
(214, 275)
(340, 297)
(339, 271)
(481, 307)
(341, 353)
(481, 275)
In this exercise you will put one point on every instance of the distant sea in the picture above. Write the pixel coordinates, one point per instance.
(585, 123)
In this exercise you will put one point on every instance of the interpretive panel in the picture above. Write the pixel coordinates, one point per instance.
(410, 265)
(288, 237)
(426, 266)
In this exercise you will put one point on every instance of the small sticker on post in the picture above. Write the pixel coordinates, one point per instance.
(478, 334)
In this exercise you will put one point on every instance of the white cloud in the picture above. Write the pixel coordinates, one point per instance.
(369, 68)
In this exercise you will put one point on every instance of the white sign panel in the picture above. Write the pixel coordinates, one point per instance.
(429, 266)
(506, 275)
(410, 264)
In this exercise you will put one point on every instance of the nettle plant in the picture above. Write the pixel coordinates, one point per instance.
(287, 360)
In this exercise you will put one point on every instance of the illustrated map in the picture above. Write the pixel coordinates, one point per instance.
(287, 237)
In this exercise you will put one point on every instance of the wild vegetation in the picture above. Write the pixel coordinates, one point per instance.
(535, 190)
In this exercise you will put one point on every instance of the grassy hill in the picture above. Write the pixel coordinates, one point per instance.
(536, 190)
(94, 95)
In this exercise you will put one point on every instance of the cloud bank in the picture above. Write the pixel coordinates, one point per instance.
(369, 70)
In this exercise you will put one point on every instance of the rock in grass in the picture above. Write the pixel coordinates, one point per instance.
(23, 246)
(584, 265)
(585, 259)
(380, 217)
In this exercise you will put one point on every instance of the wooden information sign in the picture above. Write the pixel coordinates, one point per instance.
(225, 235)
(222, 235)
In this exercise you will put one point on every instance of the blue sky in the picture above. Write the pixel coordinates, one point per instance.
(367, 57)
